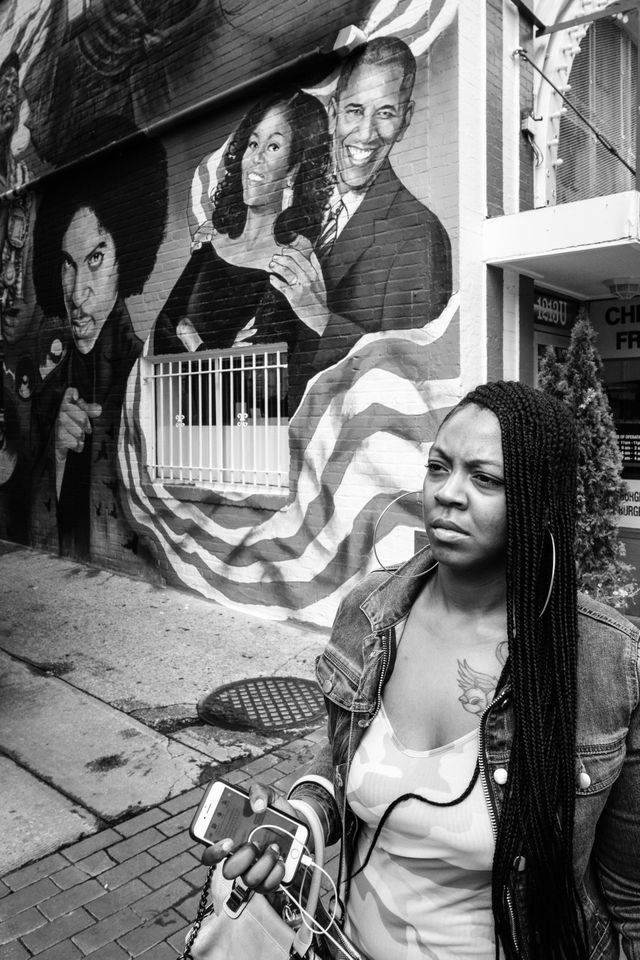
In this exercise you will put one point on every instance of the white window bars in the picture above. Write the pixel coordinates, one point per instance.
(220, 419)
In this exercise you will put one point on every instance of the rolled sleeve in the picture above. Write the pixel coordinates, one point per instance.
(315, 787)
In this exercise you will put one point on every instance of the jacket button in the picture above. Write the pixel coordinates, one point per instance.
(584, 780)
(327, 686)
(519, 864)
(500, 776)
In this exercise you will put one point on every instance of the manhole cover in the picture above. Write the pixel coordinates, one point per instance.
(265, 704)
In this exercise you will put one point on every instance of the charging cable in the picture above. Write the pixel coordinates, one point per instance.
(307, 861)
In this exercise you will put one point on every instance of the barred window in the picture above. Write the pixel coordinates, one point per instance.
(220, 419)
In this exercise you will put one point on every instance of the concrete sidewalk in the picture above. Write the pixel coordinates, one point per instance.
(128, 891)
(102, 756)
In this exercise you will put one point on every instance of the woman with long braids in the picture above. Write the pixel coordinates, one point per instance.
(483, 764)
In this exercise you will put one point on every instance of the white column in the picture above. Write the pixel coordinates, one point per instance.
(472, 191)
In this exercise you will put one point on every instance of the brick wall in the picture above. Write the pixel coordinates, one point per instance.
(121, 262)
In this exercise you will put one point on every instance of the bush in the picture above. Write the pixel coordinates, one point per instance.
(577, 381)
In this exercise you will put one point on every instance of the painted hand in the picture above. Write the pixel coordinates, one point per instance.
(300, 279)
(73, 423)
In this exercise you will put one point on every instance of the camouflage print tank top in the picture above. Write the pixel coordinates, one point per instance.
(426, 890)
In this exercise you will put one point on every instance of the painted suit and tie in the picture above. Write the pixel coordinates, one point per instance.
(389, 268)
(390, 265)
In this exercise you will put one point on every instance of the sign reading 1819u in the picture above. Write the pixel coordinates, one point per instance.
(551, 310)
(618, 326)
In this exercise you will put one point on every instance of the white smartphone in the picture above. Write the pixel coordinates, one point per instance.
(225, 811)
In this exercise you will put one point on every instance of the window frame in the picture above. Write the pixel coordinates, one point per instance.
(271, 496)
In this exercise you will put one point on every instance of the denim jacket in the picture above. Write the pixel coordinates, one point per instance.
(358, 661)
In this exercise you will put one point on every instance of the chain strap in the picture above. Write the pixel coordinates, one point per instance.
(203, 910)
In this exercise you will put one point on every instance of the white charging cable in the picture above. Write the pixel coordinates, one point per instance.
(306, 861)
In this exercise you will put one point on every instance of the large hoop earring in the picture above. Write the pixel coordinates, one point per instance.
(553, 574)
(413, 576)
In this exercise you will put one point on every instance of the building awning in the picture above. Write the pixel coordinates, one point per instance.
(572, 247)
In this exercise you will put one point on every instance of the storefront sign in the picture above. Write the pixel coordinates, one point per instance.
(617, 323)
(629, 442)
(630, 511)
(553, 311)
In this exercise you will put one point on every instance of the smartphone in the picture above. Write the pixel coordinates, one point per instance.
(225, 811)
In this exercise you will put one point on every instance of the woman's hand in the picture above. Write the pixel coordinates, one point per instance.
(297, 274)
(260, 868)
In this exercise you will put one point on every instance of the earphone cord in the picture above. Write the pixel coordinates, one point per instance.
(415, 796)
(306, 917)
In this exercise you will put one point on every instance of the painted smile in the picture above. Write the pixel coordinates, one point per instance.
(360, 155)
(254, 177)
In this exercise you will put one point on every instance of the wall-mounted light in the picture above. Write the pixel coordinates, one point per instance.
(624, 288)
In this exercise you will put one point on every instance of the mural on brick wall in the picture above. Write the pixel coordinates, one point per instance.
(74, 76)
(19, 375)
(88, 259)
(92, 57)
(303, 234)
(70, 373)
(266, 222)
(227, 395)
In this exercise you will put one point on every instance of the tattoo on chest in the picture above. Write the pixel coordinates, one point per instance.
(478, 688)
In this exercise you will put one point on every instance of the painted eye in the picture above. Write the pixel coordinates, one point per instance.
(435, 469)
(273, 147)
(95, 259)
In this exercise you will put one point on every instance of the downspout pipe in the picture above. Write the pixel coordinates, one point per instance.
(313, 58)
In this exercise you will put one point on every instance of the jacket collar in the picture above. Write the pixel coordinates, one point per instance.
(391, 601)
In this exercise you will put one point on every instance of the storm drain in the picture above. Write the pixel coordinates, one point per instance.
(264, 704)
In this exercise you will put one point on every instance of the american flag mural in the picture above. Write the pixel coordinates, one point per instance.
(358, 439)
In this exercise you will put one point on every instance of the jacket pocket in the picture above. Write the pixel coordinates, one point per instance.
(337, 682)
(598, 766)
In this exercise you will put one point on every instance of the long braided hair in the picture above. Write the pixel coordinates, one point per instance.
(540, 459)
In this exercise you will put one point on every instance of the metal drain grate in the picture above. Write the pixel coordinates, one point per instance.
(264, 704)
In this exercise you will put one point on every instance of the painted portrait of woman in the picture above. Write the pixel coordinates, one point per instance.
(273, 194)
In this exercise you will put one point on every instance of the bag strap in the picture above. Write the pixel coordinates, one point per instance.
(203, 911)
(304, 936)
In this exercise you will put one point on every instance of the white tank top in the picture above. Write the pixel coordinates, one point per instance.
(426, 890)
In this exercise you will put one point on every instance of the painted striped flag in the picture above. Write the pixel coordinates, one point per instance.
(358, 439)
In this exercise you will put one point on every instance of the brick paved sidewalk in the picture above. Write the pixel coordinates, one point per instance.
(131, 890)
